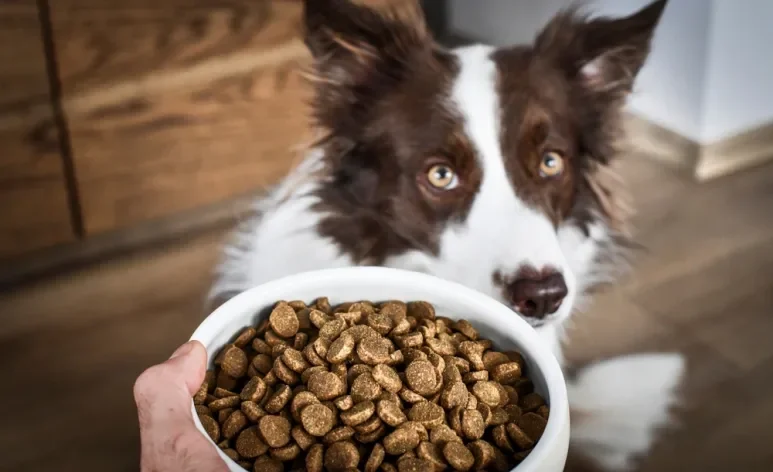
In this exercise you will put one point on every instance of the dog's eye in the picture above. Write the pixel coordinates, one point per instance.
(552, 165)
(442, 177)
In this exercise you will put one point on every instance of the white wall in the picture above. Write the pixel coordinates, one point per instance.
(739, 91)
(710, 73)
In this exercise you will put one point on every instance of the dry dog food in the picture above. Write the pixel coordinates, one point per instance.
(372, 387)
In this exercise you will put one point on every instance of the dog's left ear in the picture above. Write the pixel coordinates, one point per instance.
(602, 54)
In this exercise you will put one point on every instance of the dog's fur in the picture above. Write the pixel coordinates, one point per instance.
(390, 104)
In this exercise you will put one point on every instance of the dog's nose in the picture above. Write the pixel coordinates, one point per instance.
(537, 295)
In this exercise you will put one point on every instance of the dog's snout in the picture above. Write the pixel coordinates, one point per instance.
(537, 295)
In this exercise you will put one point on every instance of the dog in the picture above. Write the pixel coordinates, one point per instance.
(481, 165)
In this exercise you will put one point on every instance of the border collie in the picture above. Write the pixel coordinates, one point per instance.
(486, 166)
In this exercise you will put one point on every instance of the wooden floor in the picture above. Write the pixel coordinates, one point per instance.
(71, 345)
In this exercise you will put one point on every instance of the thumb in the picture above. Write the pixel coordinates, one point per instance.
(163, 392)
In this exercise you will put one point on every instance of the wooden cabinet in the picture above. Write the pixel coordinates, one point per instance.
(34, 211)
(163, 108)
(176, 104)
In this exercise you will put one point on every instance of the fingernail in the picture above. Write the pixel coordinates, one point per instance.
(183, 350)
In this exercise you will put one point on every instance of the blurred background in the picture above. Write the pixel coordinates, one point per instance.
(133, 134)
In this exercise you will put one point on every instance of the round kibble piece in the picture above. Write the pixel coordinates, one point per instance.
(275, 430)
(249, 445)
(501, 438)
(283, 320)
(340, 349)
(442, 434)
(410, 396)
(431, 453)
(533, 425)
(342, 433)
(391, 413)
(473, 425)
(342, 455)
(326, 385)
(263, 363)
(267, 464)
(235, 423)
(477, 376)
(211, 427)
(421, 377)
(362, 332)
(506, 373)
(387, 377)
(420, 430)
(232, 454)
(245, 337)
(466, 328)
(427, 413)
(302, 437)
(370, 425)
(454, 395)
(401, 441)
(222, 393)
(286, 453)
(483, 452)
(486, 392)
(414, 464)
(492, 359)
(317, 419)
(254, 390)
(234, 362)
(371, 437)
(223, 415)
(294, 359)
(279, 399)
(359, 413)
(253, 411)
(344, 403)
(521, 439)
(421, 310)
(300, 401)
(364, 388)
(376, 458)
(315, 458)
(374, 350)
(332, 329)
(381, 322)
(458, 456)
(530, 402)
(223, 403)
(356, 370)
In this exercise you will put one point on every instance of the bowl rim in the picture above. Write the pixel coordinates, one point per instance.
(530, 340)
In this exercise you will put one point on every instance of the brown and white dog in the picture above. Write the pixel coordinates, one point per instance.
(486, 166)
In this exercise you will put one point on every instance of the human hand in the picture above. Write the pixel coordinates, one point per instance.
(168, 435)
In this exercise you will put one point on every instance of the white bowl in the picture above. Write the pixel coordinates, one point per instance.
(494, 321)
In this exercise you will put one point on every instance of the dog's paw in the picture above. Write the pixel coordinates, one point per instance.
(618, 406)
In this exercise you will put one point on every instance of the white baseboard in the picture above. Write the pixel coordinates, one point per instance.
(702, 162)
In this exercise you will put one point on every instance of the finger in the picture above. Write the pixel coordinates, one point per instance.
(163, 392)
(189, 363)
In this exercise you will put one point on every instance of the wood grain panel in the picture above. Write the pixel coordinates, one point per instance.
(178, 104)
(34, 210)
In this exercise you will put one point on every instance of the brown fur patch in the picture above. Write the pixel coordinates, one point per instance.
(382, 88)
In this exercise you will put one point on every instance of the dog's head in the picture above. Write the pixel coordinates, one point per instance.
(479, 165)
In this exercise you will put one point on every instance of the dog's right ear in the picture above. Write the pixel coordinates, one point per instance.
(350, 41)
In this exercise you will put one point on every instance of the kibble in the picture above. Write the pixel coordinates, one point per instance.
(369, 386)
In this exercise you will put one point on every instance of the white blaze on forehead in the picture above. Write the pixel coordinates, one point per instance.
(501, 232)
